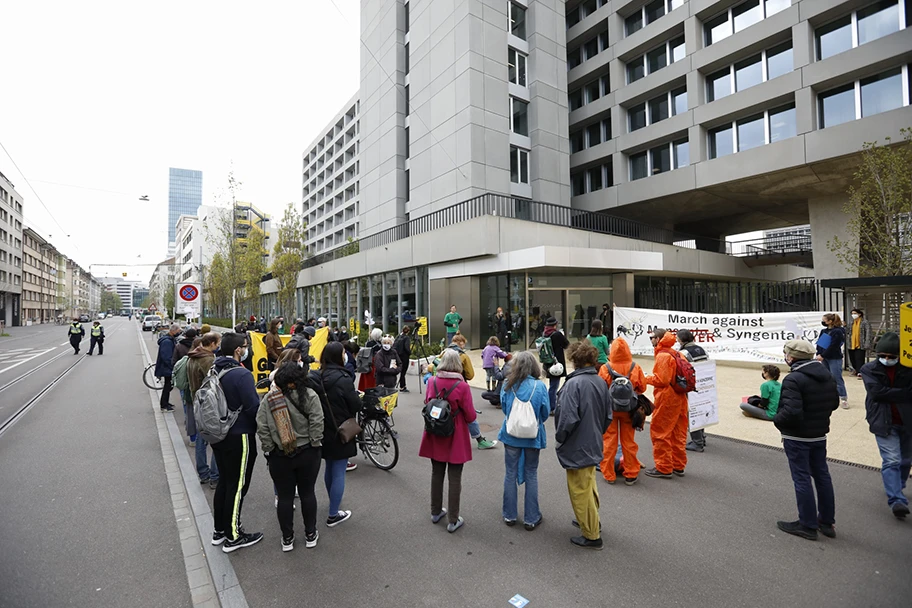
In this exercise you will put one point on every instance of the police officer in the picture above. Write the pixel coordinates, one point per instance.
(76, 333)
(97, 337)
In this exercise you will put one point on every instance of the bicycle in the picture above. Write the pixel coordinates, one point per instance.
(377, 439)
(150, 380)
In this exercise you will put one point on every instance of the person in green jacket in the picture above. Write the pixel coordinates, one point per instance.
(601, 343)
(765, 405)
(451, 321)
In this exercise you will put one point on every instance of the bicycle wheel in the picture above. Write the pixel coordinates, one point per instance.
(380, 446)
(150, 380)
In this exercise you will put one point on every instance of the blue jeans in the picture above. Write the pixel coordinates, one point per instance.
(896, 453)
(205, 471)
(334, 478)
(474, 429)
(835, 367)
(450, 335)
(807, 459)
(531, 513)
(553, 385)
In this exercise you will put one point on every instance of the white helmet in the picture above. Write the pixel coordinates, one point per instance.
(556, 370)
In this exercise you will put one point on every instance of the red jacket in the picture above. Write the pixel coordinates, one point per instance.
(457, 448)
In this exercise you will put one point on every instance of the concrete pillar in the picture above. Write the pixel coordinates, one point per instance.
(697, 145)
(622, 289)
(693, 35)
(802, 44)
(805, 111)
(828, 220)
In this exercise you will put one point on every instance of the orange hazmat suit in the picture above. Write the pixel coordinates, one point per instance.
(668, 428)
(620, 360)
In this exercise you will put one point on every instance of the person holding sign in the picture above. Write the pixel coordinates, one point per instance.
(693, 352)
(670, 417)
(387, 364)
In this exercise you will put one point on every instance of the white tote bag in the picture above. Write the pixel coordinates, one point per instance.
(522, 422)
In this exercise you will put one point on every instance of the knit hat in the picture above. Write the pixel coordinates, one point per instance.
(888, 344)
(799, 349)
(205, 329)
(310, 331)
(550, 322)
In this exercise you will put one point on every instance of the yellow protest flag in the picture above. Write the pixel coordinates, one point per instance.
(317, 343)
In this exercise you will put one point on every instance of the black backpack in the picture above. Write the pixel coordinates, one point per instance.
(438, 415)
(623, 398)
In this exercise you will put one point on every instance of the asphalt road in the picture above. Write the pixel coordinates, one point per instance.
(85, 511)
(708, 539)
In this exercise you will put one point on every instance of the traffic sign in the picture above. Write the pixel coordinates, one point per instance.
(188, 299)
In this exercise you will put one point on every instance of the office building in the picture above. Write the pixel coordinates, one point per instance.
(550, 157)
(39, 278)
(139, 296)
(10, 254)
(162, 284)
(330, 187)
(123, 288)
(185, 195)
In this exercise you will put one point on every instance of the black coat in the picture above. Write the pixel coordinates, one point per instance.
(343, 403)
(384, 371)
(808, 398)
(880, 394)
(559, 343)
(181, 349)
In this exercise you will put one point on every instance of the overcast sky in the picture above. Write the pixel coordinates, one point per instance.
(98, 99)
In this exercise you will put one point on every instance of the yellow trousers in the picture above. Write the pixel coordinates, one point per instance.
(585, 500)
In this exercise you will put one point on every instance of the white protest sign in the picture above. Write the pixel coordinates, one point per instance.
(703, 405)
(732, 337)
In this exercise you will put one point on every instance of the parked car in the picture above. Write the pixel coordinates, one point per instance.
(150, 322)
(101, 315)
(83, 318)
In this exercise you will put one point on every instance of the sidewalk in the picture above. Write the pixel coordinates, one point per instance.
(849, 438)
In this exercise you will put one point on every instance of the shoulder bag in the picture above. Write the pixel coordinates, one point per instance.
(349, 429)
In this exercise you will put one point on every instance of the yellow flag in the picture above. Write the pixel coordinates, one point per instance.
(317, 343)
(260, 361)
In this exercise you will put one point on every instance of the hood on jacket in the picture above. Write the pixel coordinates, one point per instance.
(813, 369)
(222, 363)
(619, 356)
(164, 337)
(457, 348)
(188, 342)
(667, 342)
(584, 370)
(200, 353)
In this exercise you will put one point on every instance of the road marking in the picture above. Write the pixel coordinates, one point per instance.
(25, 360)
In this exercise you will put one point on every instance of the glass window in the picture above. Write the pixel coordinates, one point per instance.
(717, 29)
(654, 10)
(594, 132)
(679, 101)
(635, 70)
(590, 6)
(718, 85)
(834, 38)
(576, 99)
(406, 12)
(638, 166)
(782, 123)
(677, 49)
(881, 93)
(593, 91)
(837, 106)
(577, 141)
(573, 17)
(595, 178)
(578, 183)
(721, 142)
(520, 119)
(517, 67)
(661, 159)
(774, 6)
(748, 73)
(603, 40)
(878, 20)
(591, 48)
(657, 59)
(517, 21)
(606, 84)
(637, 116)
(681, 153)
(407, 108)
(751, 133)
(658, 109)
(606, 129)
(747, 14)
(519, 165)
(574, 57)
(634, 22)
(779, 61)
(406, 58)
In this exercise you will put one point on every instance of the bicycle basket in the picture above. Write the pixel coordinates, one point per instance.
(381, 398)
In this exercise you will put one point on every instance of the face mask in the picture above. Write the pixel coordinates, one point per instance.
(854, 316)
(387, 346)
(300, 364)
(824, 324)
(245, 354)
(888, 362)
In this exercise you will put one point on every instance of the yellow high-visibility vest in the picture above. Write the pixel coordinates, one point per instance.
(97, 331)
(75, 328)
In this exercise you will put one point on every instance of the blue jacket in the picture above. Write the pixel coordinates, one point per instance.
(240, 393)
(834, 348)
(163, 364)
(532, 390)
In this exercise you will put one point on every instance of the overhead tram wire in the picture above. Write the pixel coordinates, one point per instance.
(402, 93)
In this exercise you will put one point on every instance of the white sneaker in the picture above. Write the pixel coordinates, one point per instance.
(845, 403)
(311, 541)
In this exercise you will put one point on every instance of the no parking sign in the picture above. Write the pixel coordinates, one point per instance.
(189, 298)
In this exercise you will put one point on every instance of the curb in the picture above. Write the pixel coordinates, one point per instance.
(210, 575)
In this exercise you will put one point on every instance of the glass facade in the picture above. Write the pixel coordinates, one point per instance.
(185, 195)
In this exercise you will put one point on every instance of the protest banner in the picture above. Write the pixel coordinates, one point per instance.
(727, 337)
(261, 362)
(703, 405)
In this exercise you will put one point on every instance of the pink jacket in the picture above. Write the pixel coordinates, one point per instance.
(456, 449)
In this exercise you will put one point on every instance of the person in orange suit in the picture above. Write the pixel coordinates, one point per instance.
(620, 360)
(668, 428)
